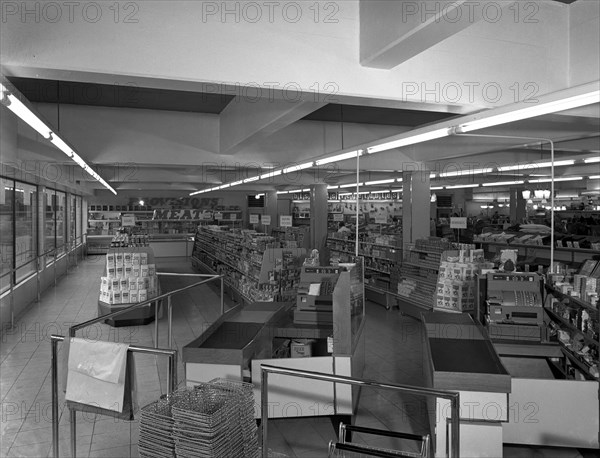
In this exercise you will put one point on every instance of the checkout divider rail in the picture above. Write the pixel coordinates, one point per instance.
(266, 369)
(172, 354)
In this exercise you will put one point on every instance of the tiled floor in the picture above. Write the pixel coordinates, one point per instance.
(393, 343)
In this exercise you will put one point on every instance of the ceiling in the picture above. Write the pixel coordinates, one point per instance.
(175, 136)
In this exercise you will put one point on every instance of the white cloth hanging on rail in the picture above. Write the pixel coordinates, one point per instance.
(96, 373)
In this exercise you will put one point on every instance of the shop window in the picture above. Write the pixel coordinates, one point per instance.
(49, 202)
(72, 220)
(7, 232)
(25, 211)
(60, 214)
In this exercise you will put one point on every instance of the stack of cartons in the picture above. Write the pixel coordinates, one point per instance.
(129, 278)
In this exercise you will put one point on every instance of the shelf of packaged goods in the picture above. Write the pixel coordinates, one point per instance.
(531, 245)
(574, 300)
(414, 264)
(377, 270)
(222, 249)
(363, 254)
(104, 221)
(333, 239)
(553, 315)
(582, 366)
(222, 261)
(419, 250)
(225, 281)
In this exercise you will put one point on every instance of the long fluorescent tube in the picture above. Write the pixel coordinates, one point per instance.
(503, 183)
(595, 177)
(436, 188)
(525, 110)
(298, 167)
(235, 183)
(332, 187)
(61, 145)
(397, 190)
(338, 157)
(459, 173)
(351, 185)
(369, 183)
(590, 160)
(282, 192)
(248, 180)
(548, 180)
(18, 108)
(533, 165)
(271, 174)
(459, 186)
(410, 140)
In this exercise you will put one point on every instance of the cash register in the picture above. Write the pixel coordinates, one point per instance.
(514, 298)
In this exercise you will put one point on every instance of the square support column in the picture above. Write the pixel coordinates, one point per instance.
(415, 206)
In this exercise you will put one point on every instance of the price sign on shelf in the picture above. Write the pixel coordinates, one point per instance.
(285, 221)
(457, 222)
(338, 217)
(218, 216)
(253, 219)
(232, 216)
(266, 220)
(380, 219)
(128, 220)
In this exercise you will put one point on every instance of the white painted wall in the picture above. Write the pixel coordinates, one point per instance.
(584, 42)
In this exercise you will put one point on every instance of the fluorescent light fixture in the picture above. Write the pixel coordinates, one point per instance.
(61, 145)
(332, 187)
(370, 183)
(459, 173)
(282, 192)
(380, 192)
(459, 186)
(294, 191)
(298, 167)
(533, 165)
(248, 180)
(397, 190)
(18, 108)
(350, 185)
(3, 92)
(525, 110)
(271, 174)
(437, 188)
(432, 175)
(399, 180)
(526, 194)
(338, 157)
(503, 183)
(236, 183)
(410, 139)
(223, 186)
(591, 160)
(548, 180)
(595, 177)
(538, 193)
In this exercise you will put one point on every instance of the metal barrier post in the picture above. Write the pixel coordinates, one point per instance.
(55, 267)
(222, 296)
(37, 278)
(264, 411)
(172, 374)
(170, 319)
(156, 324)
(455, 427)
(12, 299)
(54, 344)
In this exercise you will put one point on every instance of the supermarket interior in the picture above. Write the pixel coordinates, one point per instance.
(388, 245)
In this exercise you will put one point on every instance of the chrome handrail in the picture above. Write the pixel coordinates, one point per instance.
(155, 300)
(171, 385)
(453, 396)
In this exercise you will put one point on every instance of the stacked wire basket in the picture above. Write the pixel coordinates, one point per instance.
(214, 419)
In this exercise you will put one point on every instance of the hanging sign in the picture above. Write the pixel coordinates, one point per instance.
(380, 219)
(232, 216)
(266, 220)
(218, 216)
(338, 217)
(127, 220)
(285, 221)
(253, 219)
(458, 222)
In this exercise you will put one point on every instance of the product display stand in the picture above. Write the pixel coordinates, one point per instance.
(142, 315)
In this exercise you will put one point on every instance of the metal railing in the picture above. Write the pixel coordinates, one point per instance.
(171, 385)
(155, 301)
(40, 266)
(266, 369)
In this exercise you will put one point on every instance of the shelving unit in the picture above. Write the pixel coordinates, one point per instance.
(381, 256)
(255, 268)
(580, 320)
(290, 236)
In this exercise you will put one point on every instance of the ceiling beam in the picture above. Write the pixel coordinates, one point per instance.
(245, 121)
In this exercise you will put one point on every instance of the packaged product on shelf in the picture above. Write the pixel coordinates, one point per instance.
(143, 258)
(120, 271)
(135, 259)
(142, 295)
(110, 259)
(104, 284)
(125, 296)
(133, 285)
(141, 282)
(116, 297)
(136, 270)
(119, 258)
(151, 270)
(127, 260)
(133, 296)
(144, 270)
(124, 284)
(115, 284)
(128, 270)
